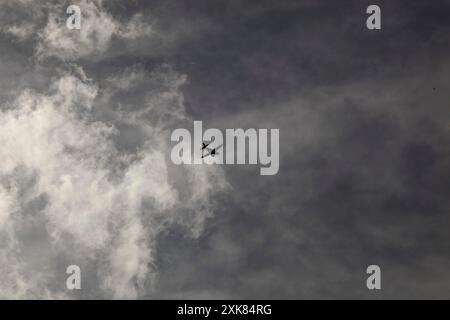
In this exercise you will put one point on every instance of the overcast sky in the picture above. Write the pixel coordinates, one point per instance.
(85, 170)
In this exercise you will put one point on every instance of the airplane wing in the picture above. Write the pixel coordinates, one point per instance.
(217, 148)
(204, 145)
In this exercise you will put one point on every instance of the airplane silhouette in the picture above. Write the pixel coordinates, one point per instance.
(212, 152)
(204, 145)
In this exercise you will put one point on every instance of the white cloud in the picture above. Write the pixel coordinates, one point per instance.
(45, 24)
(21, 31)
(86, 163)
(109, 203)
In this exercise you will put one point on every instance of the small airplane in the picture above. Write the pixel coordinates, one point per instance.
(212, 152)
(204, 145)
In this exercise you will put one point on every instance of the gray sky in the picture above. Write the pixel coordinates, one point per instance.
(86, 176)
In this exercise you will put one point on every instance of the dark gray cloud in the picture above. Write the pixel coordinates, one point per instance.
(364, 159)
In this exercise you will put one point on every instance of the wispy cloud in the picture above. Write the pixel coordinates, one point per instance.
(86, 161)
(45, 25)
